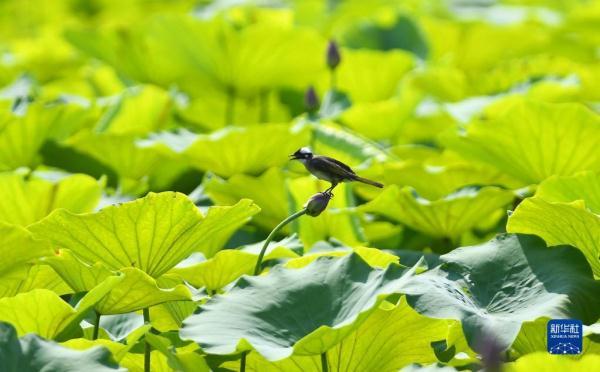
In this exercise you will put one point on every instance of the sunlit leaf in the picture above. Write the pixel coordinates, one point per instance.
(234, 150)
(532, 141)
(449, 216)
(544, 362)
(560, 223)
(136, 291)
(43, 312)
(35, 197)
(267, 191)
(222, 269)
(583, 186)
(130, 235)
(17, 247)
(369, 76)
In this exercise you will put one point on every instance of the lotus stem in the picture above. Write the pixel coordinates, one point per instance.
(96, 326)
(332, 81)
(230, 106)
(243, 362)
(324, 362)
(147, 346)
(272, 235)
(263, 106)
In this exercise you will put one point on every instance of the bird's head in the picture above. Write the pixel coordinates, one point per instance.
(302, 154)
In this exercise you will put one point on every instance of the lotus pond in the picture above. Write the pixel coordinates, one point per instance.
(151, 218)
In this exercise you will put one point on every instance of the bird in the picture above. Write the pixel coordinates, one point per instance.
(329, 169)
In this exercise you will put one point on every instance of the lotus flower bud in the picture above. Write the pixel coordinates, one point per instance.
(311, 100)
(317, 203)
(333, 55)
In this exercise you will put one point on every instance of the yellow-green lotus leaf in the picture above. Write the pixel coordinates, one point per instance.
(153, 233)
(234, 150)
(33, 198)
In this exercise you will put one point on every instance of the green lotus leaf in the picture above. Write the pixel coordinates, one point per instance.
(449, 217)
(317, 306)
(222, 269)
(29, 277)
(132, 162)
(233, 150)
(532, 338)
(80, 276)
(168, 316)
(583, 186)
(563, 136)
(209, 53)
(117, 349)
(560, 223)
(394, 331)
(116, 327)
(220, 222)
(137, 291)
(343, 144)
(188, 361)
(267, 190)
(43, 312)
(542, 361)
(32, 353)
(21, 137)
(289, 247)
(130, 235)
(378, 120)
(248, 59)
(35, 197)
(179, 359)
(370, 76)
(17, 248)
(139, 110)
(494, 287)
(372, 256)
(434, 181)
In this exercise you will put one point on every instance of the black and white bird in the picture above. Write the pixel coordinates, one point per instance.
(329, 169)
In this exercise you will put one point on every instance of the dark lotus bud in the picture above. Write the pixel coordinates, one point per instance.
(333, 55)
(311, 101)
(317, 203)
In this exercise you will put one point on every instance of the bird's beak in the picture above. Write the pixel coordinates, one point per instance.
(293, 157)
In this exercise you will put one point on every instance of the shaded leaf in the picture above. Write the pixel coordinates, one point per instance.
(390, 338)
(314, 309)
(494, 287)
(32, 354)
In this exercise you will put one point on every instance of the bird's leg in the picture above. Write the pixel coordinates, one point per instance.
(330, 190)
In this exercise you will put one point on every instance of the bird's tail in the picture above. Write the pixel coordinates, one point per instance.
(368, 182)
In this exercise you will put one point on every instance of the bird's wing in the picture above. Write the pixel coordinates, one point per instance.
(332, 165)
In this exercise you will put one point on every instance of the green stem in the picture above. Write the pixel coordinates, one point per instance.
(263, 106)
(96, 326)
(324, 363)
(146, 313)
(332, 80)
(230, 106)
(272, 235)
(243, 362)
